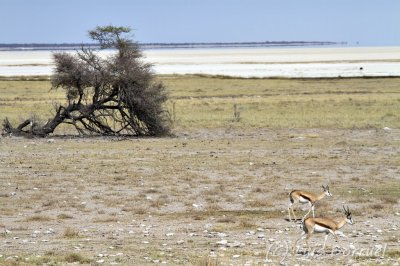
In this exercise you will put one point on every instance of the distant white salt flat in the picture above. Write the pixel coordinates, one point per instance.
(286, 70)
(242, 62)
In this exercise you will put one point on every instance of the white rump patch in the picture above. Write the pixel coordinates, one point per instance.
(320, 229)
(303, 200)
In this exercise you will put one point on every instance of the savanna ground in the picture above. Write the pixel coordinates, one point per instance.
(216, 193)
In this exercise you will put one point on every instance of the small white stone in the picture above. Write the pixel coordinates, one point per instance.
(169, 234)
(236, 256)
(222, 242)
(250, 233)
(235, 244)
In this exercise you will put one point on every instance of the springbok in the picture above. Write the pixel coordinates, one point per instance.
(300, 196)
(324, 225)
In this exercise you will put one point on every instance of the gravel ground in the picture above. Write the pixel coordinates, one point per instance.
(208, 196)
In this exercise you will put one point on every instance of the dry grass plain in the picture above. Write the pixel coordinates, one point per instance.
(216, 193)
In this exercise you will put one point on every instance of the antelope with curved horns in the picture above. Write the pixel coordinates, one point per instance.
(300, 196)
(324, 225)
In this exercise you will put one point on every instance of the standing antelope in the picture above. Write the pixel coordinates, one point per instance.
(324, 225)
(300, 196)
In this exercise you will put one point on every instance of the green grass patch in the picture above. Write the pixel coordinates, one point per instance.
(209, 102)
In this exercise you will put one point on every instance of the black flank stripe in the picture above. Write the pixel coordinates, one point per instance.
(304, 196)
(321, 224)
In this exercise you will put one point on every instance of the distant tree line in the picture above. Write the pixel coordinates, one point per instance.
(69, 46)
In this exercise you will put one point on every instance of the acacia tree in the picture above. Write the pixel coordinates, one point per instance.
(116, 95)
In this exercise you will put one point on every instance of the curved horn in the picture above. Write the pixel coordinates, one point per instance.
(346, 210)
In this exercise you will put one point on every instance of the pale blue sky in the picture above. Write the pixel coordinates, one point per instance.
(370, 22)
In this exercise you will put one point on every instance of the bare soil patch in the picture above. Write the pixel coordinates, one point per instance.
(206, 196)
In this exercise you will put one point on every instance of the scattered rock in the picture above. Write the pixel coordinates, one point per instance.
(222, 235)
(250, 233)
(234, 244)
(261, 235)
(222, 242)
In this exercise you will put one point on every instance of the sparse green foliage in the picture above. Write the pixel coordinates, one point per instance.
(75, 257)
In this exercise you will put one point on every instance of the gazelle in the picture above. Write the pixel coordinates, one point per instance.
(324, 225)
(300, 196)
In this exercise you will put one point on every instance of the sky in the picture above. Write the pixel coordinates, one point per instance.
(366, 22)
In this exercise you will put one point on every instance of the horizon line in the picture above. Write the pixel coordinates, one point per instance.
(160, 45)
